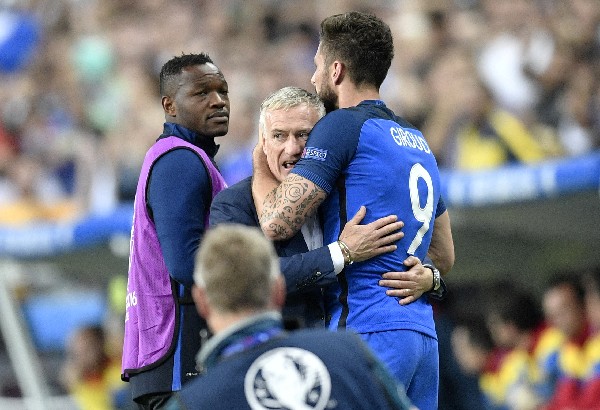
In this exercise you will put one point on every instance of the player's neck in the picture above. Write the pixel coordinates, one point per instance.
(350, 96)
(220, 321)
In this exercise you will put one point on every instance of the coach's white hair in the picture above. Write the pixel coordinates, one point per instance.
(286, 98)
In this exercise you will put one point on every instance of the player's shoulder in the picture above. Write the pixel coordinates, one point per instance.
(182, 162)
(343, 123)
(345, 115)
(179, 167)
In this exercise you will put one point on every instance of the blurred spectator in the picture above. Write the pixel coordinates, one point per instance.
(89, 374)
(464, 346)
(468, 130)
(75, 101)
(529, 353)
(19, 39)
(589, 391)
(564, 308)
(515, 32)
(497, 343)
(579, 120)
(515, 321)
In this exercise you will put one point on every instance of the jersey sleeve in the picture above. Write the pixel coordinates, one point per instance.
(330, 147)
(441, 207)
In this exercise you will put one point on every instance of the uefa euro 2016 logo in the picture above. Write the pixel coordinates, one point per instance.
(288, 378)
(314, 153)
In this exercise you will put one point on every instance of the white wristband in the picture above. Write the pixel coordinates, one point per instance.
(336, 257)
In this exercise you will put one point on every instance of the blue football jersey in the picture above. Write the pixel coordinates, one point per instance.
(366, 155)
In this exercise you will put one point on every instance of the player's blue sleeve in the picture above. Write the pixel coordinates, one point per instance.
(441, 207)
(177, 189)
(443, 290)
(330, 147)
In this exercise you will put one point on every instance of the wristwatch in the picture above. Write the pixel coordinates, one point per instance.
(437, 278)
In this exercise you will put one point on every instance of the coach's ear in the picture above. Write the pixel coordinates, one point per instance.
(261, 141)
(199, 296)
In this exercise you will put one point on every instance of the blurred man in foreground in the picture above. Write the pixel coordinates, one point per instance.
(251, 361)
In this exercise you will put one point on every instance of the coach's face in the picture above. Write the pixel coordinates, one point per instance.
(322, 81)
(285, 135)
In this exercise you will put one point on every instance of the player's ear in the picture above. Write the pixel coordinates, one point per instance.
(202, 306)
(338, 72)
(169, 106)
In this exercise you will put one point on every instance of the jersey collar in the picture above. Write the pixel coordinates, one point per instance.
(206, 144)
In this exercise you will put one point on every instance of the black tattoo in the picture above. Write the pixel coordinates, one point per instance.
(287, 206)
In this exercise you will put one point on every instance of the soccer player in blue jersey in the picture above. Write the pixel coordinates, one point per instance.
(361, 153)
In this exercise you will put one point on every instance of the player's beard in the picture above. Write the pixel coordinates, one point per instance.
(328, 96)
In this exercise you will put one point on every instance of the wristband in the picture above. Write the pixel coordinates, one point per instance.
(437, 278)
(346, 252)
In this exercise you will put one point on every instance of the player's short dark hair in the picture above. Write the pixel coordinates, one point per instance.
(172, 68)
(362, 41)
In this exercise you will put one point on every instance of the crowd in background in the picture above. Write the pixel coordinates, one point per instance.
(506, 346)
(487, 82)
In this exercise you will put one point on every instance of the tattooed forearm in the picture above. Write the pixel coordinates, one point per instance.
(285, 208)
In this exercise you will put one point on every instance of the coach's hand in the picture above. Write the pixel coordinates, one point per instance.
(375, 238)
(410, 285)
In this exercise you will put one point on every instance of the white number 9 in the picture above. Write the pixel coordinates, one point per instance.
(421, 214)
